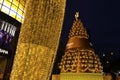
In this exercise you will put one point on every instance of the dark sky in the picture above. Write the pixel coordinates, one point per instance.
(102, 20)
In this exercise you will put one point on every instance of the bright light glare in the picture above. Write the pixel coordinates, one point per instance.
(13, 8)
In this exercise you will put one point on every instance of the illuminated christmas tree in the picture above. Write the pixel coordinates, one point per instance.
(79, 55)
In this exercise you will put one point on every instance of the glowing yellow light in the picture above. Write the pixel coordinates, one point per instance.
(14, 8)
(20, 12)
(5, 9)
(12, 14)
(22, 2)
(15, 2)
(21, 7)
(7, 3)
(0, 5)
(19, 18)
(9, 0)
(1, 1)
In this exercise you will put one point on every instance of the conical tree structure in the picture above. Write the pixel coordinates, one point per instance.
(79, 55)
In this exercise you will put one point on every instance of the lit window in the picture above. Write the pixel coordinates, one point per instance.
(5, 9)
(9, 0)
(19, 18)
(7, 3)
(12, 14)
(0, 5)
(21, 7)
(14, 8)
(15, 2)
(22, 2)
(1, 1)
(20, 12)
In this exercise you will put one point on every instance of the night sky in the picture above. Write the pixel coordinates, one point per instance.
(102, 20)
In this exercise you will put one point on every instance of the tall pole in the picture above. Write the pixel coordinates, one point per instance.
(38, 40)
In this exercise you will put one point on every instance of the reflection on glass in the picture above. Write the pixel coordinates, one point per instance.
(12, 13)
(7, 3)
(5, 9)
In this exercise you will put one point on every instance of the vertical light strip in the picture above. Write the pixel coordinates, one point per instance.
(38, 40)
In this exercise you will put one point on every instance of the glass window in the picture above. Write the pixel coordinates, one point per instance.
(22, 2)
(5, 9)
(9, 0)
(1, 1)
(15, 2)
(22, 20)
(14, 8)
(0, 5)
(20, 12)
(19, 18)
(12, 14)
(21, 7)
(7, 3)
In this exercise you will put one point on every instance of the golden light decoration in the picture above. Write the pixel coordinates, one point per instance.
(38, 40)
(82, 53)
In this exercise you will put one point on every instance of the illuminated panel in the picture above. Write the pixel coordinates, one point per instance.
(1, 1)
(20, 12)
(7, 3)
(0, 5)
(14, 8)
(21, 7)
(15, 2)
(19, 17)
(12, 14)
(10, 0)
(5, 9)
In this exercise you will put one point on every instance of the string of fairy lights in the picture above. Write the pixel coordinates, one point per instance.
(13, 8)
